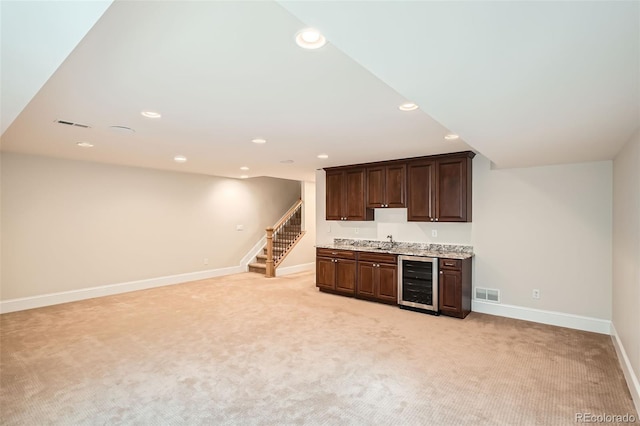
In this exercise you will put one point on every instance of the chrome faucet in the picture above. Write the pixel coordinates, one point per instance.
(390, 237)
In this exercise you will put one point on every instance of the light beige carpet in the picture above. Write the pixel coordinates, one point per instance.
(249, 350)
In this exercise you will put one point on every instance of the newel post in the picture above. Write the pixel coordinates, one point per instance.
(271, 270)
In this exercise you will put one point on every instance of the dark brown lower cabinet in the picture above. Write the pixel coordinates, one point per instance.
(374, 276)
(377, 277)
(454, 287)
(336, 271)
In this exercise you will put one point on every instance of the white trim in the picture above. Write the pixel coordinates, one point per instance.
(295, 269)
(560, 319)
(23, 303)
(632, 379)
(250, 257)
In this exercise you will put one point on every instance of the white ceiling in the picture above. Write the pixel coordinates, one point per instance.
(524, 83)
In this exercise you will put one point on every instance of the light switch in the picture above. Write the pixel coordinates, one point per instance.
(239, 227)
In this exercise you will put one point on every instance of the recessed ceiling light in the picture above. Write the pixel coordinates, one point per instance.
(244, 177)
(180, 159)
(323, 156)
(259, 140)
(85, 145)
(408, 106)
(151, 114)
(451, 137)
(244, 168)
(310, 38)
(286, 161)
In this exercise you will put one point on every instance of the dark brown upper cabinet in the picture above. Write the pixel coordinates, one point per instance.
(345, 194)
(439, 188)
(433, 189)
(386, 185)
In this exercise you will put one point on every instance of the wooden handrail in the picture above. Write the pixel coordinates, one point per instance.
(287, 214)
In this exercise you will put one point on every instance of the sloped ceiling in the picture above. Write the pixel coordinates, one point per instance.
(523, 83)
(36, 37)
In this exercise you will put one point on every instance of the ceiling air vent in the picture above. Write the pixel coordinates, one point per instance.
(71, 123)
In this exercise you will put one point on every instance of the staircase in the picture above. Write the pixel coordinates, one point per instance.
(281, 238)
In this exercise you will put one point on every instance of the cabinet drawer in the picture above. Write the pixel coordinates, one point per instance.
(451, 264)
(342, 254)
(378, 257)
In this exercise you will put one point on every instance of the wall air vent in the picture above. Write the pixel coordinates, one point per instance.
(71, 123)
(488, 294)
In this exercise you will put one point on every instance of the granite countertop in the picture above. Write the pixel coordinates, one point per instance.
(447, 251)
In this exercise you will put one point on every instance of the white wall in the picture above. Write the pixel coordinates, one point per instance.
(626, 255)
(69, 225)
(546, 227)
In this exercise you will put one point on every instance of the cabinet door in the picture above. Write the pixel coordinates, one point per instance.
(375, 187)
(366, 279)
(355, 208)
(450, 292)
(346, 276)
(420, 191)
(387, 282)
(395, 186)
(325, 273)
(335, 195)
(451, 191)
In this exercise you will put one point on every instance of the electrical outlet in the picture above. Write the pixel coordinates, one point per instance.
(536, 293)
(205, 261)
(239, 227)
(434, 232)
(356, 230)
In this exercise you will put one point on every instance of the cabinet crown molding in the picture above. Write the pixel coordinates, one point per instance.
(469, 154)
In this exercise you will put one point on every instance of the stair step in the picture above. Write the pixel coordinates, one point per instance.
(261, 258)
(260, 268)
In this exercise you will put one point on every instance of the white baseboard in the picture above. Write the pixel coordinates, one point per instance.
(21, 304)
(560, 319)
(632, 379)
(295, 269)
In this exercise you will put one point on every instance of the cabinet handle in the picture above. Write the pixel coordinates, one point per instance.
(436, 219)
(440, 272)
(431, 219)
(334, 252)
